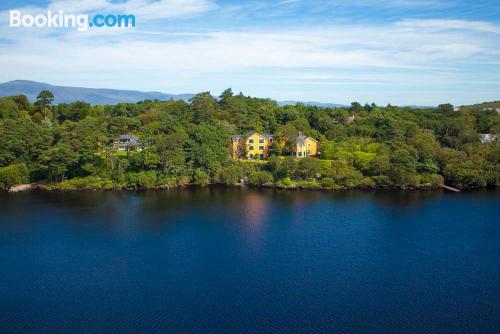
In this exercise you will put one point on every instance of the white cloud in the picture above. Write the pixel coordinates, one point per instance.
(408, 53)
(441, 25)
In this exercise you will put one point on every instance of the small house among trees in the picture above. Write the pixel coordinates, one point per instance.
(126, 143)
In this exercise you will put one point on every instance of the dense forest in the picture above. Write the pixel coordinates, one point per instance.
(68, 146)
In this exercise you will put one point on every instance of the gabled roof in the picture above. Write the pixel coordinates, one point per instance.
(301, 139)
(267, 136)
(128, 137)
(251, 133)
(133, 140)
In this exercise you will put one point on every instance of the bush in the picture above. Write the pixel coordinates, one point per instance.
(141, 180)
(367, 182)
(230, 175)
(382, 181)
(85, 183)
(13, 175)
(165, 181)
(182, 181)
(309, 167)
(286, 182)
(345, 175)
(258, 178)
(308, 184)
(328, 183)
(468, 173)
(433, 179)
(201, 177)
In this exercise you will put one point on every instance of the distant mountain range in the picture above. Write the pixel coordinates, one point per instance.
(64, 94)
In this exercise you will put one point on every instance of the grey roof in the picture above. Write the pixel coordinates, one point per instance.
(268, 136)
(130, 138)
(301, 139)
(236, 137)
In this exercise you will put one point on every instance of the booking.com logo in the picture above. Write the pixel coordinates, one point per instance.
(61, 20)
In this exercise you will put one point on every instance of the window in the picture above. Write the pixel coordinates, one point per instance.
(261, 141)
(251, 141)
(250, 148)
(308, 152)
(251, 156)
(261, 147)
(262, 156)
(300, 154)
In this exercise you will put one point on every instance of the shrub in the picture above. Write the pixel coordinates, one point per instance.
(165, 181)
(367, 182)
(141, 180)
(13, 175)
(345, 175)
(286, 182)
(84, 183)
(382, 181)
(201, 177)
(328, 183)
(308, 184)
(182, 181)
(433, 179)
(230, 175)
(258, 178)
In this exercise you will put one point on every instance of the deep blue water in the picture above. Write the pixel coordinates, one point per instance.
(216, 261)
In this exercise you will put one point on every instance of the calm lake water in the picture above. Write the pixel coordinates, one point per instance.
(215, 261)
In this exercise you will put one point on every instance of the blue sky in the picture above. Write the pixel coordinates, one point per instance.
(403, 52)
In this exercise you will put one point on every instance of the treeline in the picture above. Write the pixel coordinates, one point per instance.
(68, 145)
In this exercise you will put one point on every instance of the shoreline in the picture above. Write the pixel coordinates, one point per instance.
(54, 188)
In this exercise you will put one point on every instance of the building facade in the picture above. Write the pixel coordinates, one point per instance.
(305, 147)
(253, 145)
(256, 146)
(126, 143)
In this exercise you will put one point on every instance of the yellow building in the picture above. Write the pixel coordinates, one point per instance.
(256, 145)
(305, 146)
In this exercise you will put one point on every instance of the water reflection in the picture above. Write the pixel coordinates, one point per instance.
(157, 210)
(255, 207)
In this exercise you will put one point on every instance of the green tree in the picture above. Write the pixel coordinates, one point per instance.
(44, 101)
(275, 149)
(403, 167)
(204, 106)
(59, 160)
(171, 152)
